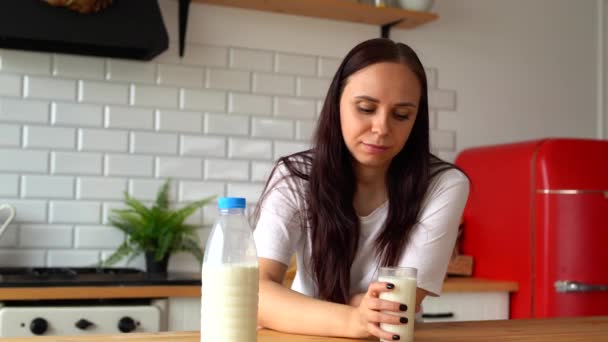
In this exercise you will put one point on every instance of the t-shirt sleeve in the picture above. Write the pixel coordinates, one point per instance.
(278, 229)
(433, 238)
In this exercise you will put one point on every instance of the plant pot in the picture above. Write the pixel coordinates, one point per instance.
(154, 266)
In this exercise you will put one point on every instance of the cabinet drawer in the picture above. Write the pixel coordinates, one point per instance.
(466, 306)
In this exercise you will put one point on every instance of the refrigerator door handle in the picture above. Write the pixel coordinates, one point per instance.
(575, 286)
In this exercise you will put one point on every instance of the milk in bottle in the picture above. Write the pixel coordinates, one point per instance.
(229, 303)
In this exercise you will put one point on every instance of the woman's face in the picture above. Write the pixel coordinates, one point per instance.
(377, 112)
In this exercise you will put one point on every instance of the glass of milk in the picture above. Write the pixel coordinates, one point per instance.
(404, 279)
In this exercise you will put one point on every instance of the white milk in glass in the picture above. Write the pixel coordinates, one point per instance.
(404, 292)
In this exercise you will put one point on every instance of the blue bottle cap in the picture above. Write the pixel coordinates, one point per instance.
(231, 202)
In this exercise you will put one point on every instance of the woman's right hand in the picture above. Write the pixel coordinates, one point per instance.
(368, 315)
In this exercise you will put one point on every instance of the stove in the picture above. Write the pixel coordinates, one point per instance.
(90, 276)
(84, 317)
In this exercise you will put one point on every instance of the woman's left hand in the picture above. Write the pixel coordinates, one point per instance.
(356, 300)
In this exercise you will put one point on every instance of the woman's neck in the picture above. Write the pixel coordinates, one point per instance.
(371, 189)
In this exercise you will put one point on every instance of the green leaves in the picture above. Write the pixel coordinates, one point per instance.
(159, 229)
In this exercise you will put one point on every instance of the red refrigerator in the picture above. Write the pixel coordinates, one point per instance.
(538, 214)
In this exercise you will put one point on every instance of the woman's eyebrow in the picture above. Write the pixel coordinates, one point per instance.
(371, 99)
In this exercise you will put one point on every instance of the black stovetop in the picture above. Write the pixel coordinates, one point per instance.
(90, 276)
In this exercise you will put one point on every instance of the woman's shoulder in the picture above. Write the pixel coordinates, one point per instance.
(448, 177)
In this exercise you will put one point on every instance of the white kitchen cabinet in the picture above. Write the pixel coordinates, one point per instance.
(466, 306)
(184, 314)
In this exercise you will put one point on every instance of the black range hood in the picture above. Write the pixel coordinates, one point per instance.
(132, 29)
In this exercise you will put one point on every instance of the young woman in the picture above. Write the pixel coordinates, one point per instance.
(368, 194)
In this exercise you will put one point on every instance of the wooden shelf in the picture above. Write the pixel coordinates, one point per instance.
(342, 10)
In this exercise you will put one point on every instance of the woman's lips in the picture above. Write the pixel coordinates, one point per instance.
(373, 148)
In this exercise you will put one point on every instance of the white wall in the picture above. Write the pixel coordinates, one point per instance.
(76, 131)
(522, 69)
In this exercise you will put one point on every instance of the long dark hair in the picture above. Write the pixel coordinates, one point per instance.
(331, 183)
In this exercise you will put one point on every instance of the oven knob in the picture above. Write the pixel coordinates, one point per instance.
(83, 324)
(38, 326)
(126, 324)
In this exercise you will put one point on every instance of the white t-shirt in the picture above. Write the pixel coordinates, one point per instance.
(280, 233)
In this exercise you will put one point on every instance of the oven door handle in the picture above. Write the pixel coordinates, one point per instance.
(576, 286)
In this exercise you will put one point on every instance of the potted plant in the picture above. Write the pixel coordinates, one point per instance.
(157, 232)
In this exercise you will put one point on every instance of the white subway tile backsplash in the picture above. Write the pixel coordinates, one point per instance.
(144, 142)
(128, 165)
(76, 114)
(28, 210)
(90, 139)
(129, 117)
(206, 55)
(10, 85)
(72, 66)
(152, 96)
(295, 64)
(97, 237)
(251, 59)
(273, 84)
(192, 99)
(291, 107)
(305, 130)
(76, 163)
(251, 192)
(25, 62)
(9, 237)
(9, 185)
(179, 75)
(178, 121)
(74, 212)
(228, 79)
(10, 135)
(210, 214)
(35, 186)
(23, 160)
(179, 167)
(328, 66)
(214, 120)
(103, 92)
(101, 188)
(45, 236)
(195, 219)
(249, 104)
(285, 148)
(107, 210)
(432, 120)
(312, 87)
(49, 137)
(226, 169)
(131, 71)
(443, 140)
(431, 77)
(139, 262)
(260, 171)
(147, 189)
(250, 149)
(203, 146)
(22, 258)
(24, 111)
(72, 258)
(320, 104)
(195, 191)
(442, 99)
(272, 128)
(226, 125)
(447, 156)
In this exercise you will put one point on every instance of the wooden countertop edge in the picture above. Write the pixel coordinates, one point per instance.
(103, 292)
(97, 292)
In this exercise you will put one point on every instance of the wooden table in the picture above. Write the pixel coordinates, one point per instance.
(536, 330)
